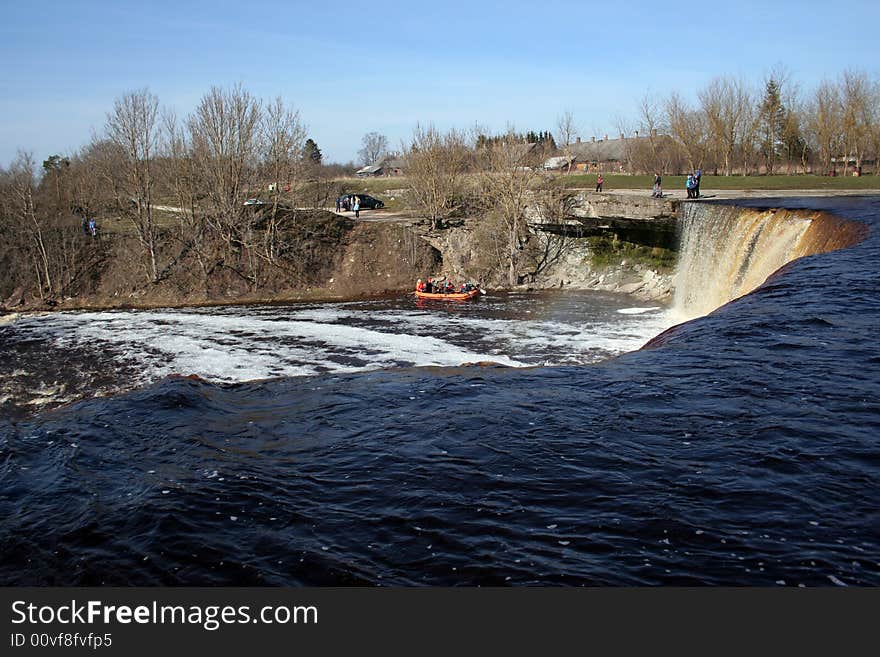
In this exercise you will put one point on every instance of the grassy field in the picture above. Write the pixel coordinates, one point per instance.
(615, 181)
(380, 187)
(372, 186)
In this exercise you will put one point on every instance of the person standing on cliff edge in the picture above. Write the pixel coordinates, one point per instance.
(697, 175)
(599, 181)
(658, 189)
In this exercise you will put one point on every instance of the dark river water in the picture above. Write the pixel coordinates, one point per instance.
(741, 448)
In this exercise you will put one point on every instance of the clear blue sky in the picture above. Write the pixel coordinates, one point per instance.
(355, 67)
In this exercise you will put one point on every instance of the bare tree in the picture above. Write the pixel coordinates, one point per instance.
(824, 121)
(860, 116)
(185, 182)
(283, 137)
(373, 147)
(794, 147)
(224, 132)
(566, 133)
(725, 102)
(132, 127)
(435, 165)
(688, 128)
(19, 206)
(749, 146)
(506, 175)
(654, 151)
(87, 193)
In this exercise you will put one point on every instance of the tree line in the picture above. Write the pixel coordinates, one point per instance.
(233, 145)
(735, 128)
(205, 166)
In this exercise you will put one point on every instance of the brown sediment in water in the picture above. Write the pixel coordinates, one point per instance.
(829, 233)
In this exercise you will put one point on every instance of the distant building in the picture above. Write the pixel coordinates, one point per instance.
(387, 165)
(615, 155)
(558, 163)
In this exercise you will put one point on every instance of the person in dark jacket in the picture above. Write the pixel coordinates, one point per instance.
(658, 189)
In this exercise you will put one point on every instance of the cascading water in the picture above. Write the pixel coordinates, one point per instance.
(728, 251)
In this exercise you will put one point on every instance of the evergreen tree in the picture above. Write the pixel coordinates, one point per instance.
(772, 114)
(55, 163)
(311, 154)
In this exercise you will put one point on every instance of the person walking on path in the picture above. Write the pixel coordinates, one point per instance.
(689, 185)
(356, 206)
(658, 189)
(697, 175)
(599, 181)
(338, 204)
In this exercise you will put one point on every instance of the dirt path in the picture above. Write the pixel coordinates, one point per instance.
(379, 216)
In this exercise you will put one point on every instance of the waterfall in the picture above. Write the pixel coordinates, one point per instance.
(728, 251)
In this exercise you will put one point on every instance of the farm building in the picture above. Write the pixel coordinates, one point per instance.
(615, 155)
(387, 165)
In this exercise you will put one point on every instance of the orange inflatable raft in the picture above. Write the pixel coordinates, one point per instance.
(454, 296)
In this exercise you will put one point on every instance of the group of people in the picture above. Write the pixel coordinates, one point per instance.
(89, 227)
(693, 184)
(352, 202)
(443, 287)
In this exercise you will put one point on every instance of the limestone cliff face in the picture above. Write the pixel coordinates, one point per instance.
(465, 254)
(380, 258)
(609, 242)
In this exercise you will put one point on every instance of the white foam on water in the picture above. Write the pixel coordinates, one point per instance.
(239, 348)
(233, 344)
(638, 311)
(567, 342)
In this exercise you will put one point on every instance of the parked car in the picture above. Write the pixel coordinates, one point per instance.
(367, 202)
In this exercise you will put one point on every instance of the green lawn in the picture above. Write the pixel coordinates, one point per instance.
(618, 181)
(379, 186)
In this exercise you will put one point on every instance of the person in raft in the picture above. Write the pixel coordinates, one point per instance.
(599, 181)
(420, 287)
(450, 288)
